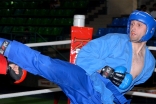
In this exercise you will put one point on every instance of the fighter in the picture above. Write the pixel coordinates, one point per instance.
(112, 58)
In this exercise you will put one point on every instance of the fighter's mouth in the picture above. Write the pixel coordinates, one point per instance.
(133, 33)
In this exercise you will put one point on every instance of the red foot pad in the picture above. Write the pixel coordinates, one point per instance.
(22, 78)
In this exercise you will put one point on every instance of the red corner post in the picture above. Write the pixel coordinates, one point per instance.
(79, 37)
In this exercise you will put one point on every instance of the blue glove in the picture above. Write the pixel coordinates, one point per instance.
(127, 80)
(117, 76)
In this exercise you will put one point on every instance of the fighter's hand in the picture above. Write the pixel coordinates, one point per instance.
(17, 73)
(118, 76)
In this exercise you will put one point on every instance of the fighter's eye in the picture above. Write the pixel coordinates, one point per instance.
(139, 25)
(132, 24)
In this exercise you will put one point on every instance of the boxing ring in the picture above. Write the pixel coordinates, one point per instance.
(43, 91)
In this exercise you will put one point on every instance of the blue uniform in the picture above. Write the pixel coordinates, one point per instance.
(72, 79)
(112, 50)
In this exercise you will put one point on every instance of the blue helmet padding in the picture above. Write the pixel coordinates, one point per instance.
(145, 18)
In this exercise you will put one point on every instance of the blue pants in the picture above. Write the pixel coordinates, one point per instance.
(75, 83)
(71, 78)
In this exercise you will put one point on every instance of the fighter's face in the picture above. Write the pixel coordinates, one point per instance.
(15, 68)
(137, 30)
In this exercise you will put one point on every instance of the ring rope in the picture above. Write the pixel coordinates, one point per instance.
(64, 42)
(49, 43)
(11, 95)
(25, 93)
(151, 48)
(142, 94)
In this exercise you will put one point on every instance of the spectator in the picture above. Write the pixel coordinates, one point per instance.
(143, 8)
(153, 12)
(54, 4)
(25, 37)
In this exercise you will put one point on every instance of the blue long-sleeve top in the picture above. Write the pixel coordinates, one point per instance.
(112, 50)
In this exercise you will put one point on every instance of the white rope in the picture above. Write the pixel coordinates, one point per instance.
(62, 43)
(142, 94)
(151, 48)
(48, 43)
(26, 93)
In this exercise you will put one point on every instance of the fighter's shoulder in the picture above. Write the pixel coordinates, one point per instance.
(115, 36)
(151, 63)
(150, 55)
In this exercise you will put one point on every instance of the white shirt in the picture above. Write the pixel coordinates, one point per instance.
(153, 13)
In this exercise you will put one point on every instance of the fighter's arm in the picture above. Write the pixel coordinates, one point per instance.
(92, 56)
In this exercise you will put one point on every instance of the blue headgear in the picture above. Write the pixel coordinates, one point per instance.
(145, 18)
